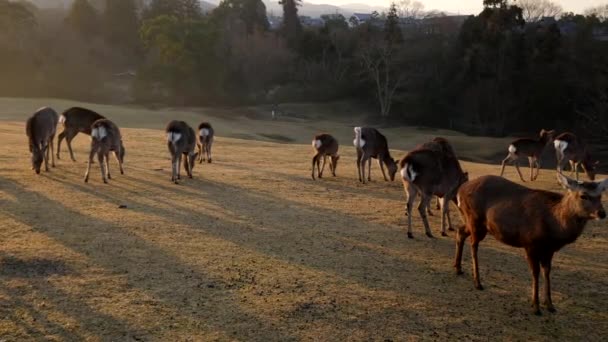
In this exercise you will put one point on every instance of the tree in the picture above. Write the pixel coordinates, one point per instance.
(601, 12)
(410, 9)
(535, 10)
(392, 30)
(16, 23)
(121, 25)
(292, 27)
(252, 13)
(495, 3)
(83, 18)
(182, 9)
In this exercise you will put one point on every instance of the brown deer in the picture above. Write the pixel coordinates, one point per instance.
(75, 120)
(568, 147)
(370, 143)
(181, 140)
(40, 129)
(528, 147)
(204, 141)
(325, 146)
(105, 138)
(541, 222)
(431, 169)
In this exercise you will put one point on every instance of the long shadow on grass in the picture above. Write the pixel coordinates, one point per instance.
(118, 251)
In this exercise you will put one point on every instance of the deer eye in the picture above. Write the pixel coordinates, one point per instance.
(585, 197)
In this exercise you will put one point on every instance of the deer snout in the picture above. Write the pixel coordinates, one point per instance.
(601, 214)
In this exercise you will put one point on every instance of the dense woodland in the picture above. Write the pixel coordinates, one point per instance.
(503, 71)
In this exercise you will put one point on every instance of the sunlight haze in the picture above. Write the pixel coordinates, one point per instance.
(463, 6)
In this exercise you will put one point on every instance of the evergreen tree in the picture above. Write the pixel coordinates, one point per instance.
(292, 27)
(83, 18)
(182, 9)
(392, 31)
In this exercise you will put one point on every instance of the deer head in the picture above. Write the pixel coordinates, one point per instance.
(585, 197)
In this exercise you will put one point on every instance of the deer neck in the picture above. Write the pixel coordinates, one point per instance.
(570, 223)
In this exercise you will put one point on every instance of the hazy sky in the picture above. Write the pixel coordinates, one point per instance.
(464, 6)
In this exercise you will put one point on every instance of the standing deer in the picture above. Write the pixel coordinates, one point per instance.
(528, 147)
(75, 120)
(105, 138)
(431, 169)
(40, 129)
(541, 222)
(205, 141)
(325, 146)
(568, 147)
(372, 144)
(181, 140)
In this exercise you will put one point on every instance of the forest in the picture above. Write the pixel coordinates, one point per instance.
(506, 70)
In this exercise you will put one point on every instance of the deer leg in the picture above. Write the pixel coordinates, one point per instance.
(474, 249)
(174, 162)
(546, 266)
(428, 209)
(369, 169)
(314, 164)
(52, 143)
(208, 146)
(531, 161)
(381, 164)
(186, 165)
(461, 236)
(116, 155)
(200, 153)
(68, 141)
(323, 167)
(519, 171)
(535, 268)
(504, 163)
(59, 138)
(537, 162)
(422, 206)
(45, 154)
(86, 175)
(362, 168)
(100, 156)
(107, 157)
(410, 193)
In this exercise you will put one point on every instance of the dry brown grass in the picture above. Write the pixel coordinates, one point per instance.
(252, 249)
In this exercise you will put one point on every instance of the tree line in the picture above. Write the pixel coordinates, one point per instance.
(508, 69)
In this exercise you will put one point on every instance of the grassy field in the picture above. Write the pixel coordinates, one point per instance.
(252, 249)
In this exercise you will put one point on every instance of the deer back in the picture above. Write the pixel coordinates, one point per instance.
(325, 144)
(79, 119)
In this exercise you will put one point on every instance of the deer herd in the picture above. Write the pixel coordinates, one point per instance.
(541, 222)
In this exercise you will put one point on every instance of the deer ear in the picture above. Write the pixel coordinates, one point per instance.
(568, 183)
(602, 185)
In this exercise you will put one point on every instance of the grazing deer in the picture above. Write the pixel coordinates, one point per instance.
(431, 169)
(105, 138)
(75, 120)
(541, 222)
(40, 129)
(324, 145)
(181, 140)
(205, 141)
(568, 147)
(528, 147)
(372, 144)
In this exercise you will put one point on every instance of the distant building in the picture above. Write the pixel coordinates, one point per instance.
(311, 22)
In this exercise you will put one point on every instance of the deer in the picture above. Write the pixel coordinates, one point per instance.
(541, 222)
(40, 129)
(205, 141)
(324, 146)
(181, 140)
(75, 120)
(105, 138)
(370, 143)
(528, 147)
(431, 169)
(569, 147)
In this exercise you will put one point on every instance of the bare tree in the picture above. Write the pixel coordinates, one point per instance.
(379, 61)
(535, 10)
(600, 11)
(410, 9)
